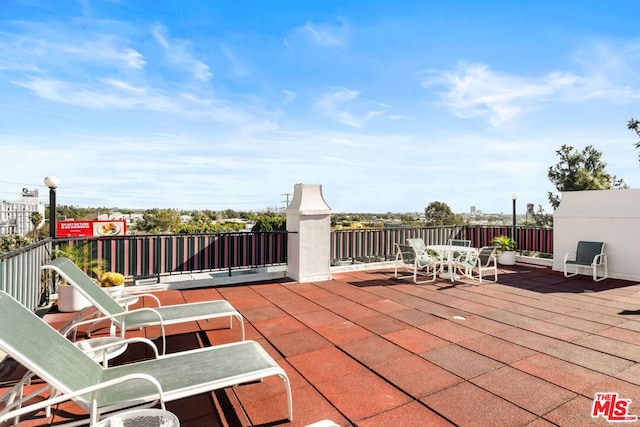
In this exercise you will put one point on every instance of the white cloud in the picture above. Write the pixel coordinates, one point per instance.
(178, 52)
(118, 94)
(41, 50)
(604, 70)
(325, 35)
(346, 106)
(289, 96)
(125, 86)
(474, 90)
(112, 94)
(237, 67)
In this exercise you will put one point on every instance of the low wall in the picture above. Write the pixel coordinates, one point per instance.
(610, 216)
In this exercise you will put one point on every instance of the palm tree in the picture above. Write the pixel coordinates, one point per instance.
(36, 219)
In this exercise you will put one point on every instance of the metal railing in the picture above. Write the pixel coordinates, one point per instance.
(377, 244)
(158, 255)
(153, 256)
(143, 257)
(21, 277)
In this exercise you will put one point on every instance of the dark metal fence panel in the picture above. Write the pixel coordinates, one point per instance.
(153, 255)
(530, 239)
(535, 239)
(21, 276)
(483, 235)
(377, 244)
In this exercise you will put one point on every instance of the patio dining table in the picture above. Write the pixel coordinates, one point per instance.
(446, 253)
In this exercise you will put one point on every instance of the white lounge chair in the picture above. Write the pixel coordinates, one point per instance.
(124, 319)
(70, 374)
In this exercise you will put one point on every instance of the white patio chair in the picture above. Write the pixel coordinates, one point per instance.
(423, 264)
(590, 255)
(480, 261)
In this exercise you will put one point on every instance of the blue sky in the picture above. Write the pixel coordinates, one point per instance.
(388, 105)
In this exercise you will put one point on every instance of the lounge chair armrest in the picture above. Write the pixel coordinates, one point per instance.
(128, 341)
(81, 316)
(92, 389)
(134, 295)
(119, 317)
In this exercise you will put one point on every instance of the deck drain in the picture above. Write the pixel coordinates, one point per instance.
(459, 317)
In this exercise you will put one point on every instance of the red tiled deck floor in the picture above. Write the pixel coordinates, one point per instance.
(366, 349)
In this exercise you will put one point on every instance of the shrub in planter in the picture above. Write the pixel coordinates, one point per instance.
(506, 247)
(113, 283)
(70, 299)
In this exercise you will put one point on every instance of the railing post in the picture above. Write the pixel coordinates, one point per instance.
(309, 227)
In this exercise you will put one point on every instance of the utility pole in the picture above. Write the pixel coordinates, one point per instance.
(287, 196)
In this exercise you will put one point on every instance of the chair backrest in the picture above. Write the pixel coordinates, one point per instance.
(406, 252)
(485, 253)
(418, 244)
(586, 251)
(458, 242)
(43, 350)
(85, 285)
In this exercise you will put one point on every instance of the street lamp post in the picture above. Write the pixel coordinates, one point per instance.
(52, 182)
(514, 197)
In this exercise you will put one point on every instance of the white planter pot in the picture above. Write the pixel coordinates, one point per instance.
(507, 258)
(114, 291)
(70, 299)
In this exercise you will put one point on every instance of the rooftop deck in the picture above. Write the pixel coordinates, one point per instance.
(366, 349)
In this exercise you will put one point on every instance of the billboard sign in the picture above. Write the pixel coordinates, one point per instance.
(90, 228)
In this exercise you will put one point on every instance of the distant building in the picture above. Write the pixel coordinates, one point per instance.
(15, 217)
(131, 219)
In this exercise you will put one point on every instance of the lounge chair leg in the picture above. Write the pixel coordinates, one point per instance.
(241, 322)
(287, 384)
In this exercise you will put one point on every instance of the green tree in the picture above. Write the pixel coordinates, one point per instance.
(200, 221)
(270, 222)
(538, 218)
(439, 213)
(160, 221)
(407, 218)
(634, 125)
(36, 219)
(13, 242)
(580, 170)
(230, 213)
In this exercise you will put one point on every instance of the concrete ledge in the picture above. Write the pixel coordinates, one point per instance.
(210, 279)
(546, 262)
(361, 266)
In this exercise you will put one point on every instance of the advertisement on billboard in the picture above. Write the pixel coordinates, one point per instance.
(91, 228)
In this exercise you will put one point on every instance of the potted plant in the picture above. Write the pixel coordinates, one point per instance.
(506, 247)
(112, 283)
(69, 298)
